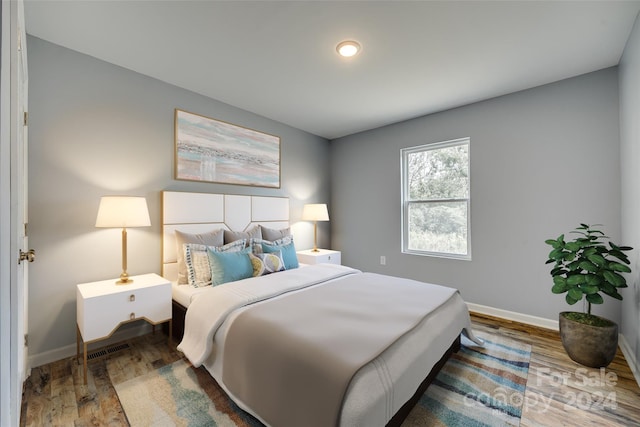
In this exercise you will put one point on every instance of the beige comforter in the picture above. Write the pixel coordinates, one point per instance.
(305, 348)
(208, 313)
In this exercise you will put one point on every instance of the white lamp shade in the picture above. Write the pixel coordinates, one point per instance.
(123, 212)
(315, 212)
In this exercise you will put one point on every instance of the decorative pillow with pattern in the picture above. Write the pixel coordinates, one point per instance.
(210, 238)
(266, 263)
(198, 264)
(285, 245)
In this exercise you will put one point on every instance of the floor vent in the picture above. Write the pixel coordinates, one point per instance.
(109, 350)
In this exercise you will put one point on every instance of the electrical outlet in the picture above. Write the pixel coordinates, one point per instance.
(383, 260)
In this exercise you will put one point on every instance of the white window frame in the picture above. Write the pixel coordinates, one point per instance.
(404, 154)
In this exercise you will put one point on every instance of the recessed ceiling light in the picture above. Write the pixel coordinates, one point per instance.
(348, 48)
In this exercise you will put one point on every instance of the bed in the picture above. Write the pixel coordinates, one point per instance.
(244, 331)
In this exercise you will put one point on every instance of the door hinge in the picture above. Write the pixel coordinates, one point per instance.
(26, 118)
(26, 340)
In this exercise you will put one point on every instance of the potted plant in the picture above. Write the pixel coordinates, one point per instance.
(584, 269)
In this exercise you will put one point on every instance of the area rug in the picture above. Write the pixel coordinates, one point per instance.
(478, 386)
(180, 395)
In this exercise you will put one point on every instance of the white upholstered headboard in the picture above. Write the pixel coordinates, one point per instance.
(202, 212)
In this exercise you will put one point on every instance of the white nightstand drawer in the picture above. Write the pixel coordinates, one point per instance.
(322, 256)
(103, 306)
(104, 314)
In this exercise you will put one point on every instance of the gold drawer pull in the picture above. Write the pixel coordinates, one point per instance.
(132, 316)
(132, 298)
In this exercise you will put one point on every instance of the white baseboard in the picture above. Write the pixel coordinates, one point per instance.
(517, 317)
(43, 358)
(630, 356)
(628, 353)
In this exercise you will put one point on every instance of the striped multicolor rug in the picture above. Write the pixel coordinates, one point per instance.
(476, 387)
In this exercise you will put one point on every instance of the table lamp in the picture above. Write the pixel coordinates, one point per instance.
(315, 212)
(123, 212)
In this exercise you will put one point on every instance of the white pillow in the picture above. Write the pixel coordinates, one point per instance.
(211, 238)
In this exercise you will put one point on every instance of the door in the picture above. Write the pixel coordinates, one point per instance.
(25, 255)
(13, 212)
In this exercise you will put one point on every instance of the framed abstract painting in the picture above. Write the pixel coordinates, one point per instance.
(212, 150)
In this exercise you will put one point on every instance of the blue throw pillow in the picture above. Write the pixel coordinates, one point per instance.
(289, 255)
(229, 266)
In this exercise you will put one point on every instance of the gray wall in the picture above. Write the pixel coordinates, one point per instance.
(98, 129)
(538, 158)
(630, 153)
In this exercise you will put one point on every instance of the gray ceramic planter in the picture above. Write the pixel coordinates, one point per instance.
(592, 346)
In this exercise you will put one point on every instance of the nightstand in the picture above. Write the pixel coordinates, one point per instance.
(322, 256)
(103, 306)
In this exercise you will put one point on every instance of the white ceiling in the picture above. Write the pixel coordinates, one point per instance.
(278, 59)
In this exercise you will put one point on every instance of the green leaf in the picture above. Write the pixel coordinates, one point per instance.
(576, 279)
(559, 285)
(588, 266)
(616, 266)
(573, 266)
(598, 260)
(613, 294)
(595, 299)
(559, 288)
(622, 257)
(555, 243)
(559, 280)
(589, 290)
(573, 246)
(575, 293)
(614, 278)
(593, 280)
(588, 243)
(556, 254)
(570, 300)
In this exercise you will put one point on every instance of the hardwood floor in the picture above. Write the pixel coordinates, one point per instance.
(559, 391)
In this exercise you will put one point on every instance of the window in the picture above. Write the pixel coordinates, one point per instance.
(436, 200)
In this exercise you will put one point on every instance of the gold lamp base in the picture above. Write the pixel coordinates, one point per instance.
(124, 276)
(315, 237)
(124, 279)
